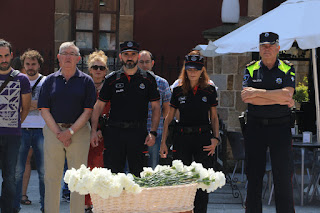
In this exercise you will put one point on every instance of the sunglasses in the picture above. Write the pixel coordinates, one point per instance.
(96, 67)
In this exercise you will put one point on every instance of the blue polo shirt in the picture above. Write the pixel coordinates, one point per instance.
(67, 99)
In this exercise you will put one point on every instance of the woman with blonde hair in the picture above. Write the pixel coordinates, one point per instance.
(198, 127)
(98, 69)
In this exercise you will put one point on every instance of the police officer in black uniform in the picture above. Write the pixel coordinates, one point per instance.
(129, 91)
(197, 135)
(268, 87)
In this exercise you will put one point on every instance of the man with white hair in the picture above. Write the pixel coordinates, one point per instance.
(66, 101)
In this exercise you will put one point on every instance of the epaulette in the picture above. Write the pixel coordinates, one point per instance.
(288, 63)
(110, 75)
(143, 73)
(252, 62)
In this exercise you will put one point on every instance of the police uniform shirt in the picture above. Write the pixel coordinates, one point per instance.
(129, 95)
(257, 75)
(194, 106)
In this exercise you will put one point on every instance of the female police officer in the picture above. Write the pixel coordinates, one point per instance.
(198, 136)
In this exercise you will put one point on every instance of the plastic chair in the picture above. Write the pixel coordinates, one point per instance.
(297, 163)
(238, 151)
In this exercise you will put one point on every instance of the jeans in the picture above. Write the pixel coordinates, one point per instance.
(65, 188)
(9, 146)
(30, 138)
(154, 153)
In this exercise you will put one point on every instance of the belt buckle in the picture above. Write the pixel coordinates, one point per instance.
(125, 125)
(188, 130)
(66, 125)
(265, 122)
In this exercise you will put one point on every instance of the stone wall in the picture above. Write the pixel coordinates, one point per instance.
(227, 71)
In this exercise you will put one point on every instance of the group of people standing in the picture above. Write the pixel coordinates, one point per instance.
(112, 120)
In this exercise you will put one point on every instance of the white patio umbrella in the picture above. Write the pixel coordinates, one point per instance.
(293, 20)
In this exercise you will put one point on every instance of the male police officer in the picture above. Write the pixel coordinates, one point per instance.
(268, 87)
(129, 91)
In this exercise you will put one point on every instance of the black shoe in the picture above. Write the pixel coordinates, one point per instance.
(65, 198)
(88, 210)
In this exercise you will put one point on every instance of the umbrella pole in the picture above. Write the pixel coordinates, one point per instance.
(316, 90)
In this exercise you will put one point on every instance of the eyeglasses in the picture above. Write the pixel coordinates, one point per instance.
(145, 62)
(96, 67)
(70, 54)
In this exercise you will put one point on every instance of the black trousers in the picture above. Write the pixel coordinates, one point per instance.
(189, 148)
(278, 138)
(125, 144)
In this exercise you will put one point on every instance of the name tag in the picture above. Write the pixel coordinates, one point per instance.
(119, 90)
(256, 80)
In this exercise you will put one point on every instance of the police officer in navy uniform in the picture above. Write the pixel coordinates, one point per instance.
(268, 87)
(197, 135)
(129, 91)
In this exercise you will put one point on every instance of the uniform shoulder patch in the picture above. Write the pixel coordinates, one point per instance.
(251, 63)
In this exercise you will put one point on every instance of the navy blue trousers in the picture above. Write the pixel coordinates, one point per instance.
(278, 138)
(189, 148)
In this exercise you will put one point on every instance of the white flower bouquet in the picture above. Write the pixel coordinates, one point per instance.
(176, 186)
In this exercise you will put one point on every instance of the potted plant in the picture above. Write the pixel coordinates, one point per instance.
(301, 93)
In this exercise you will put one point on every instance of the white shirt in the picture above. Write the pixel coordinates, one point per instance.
(34, 118)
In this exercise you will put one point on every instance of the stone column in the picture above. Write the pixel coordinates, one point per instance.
(62, 22)
(126, 20)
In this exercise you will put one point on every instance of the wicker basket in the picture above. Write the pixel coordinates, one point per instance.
(158, 199)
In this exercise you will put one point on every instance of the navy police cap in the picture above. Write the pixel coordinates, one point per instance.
(194, 61)
(129, 46)
(269, 38)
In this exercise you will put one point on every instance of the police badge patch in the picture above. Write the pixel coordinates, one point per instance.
(279, 80)
(130, 44)
(292, 78)
(142, 86)
(204, 99)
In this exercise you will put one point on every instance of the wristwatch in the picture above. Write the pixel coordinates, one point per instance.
(154, 133)
(71, 131)
(214, 137)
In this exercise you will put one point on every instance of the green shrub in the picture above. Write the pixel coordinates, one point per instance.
(302, 94)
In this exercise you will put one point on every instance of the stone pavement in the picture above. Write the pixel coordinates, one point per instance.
(220, 201)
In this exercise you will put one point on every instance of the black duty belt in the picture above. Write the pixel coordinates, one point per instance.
(270, 121)
(194, 129)
(127, 124)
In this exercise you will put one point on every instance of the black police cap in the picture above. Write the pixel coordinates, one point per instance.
(194, 61)
(269, 38)
(129, 46)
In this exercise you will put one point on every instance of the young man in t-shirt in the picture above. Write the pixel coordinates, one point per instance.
(15, 98)
(32, 137)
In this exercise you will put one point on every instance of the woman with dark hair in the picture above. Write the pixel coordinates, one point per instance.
(198, 127)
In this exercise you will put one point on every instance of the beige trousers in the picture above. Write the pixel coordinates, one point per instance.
(54, 158)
